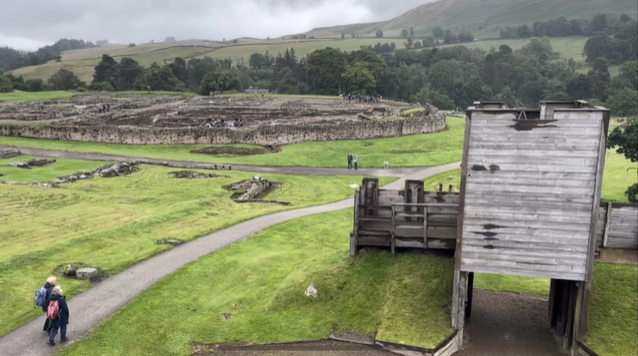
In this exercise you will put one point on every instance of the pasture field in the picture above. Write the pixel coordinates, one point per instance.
(26, 97)
(262, 288)
(407, 151)
(114, 223)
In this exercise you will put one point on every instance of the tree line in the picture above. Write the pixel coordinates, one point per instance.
(561, 27)
(12, 59)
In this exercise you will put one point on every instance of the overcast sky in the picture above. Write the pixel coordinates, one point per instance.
(29, 24)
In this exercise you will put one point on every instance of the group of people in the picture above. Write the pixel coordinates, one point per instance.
(360, 98)
(353, 161)
(54, 304)
(104, 108)
(239, 122)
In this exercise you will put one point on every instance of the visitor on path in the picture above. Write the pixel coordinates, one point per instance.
(48, 288)
(349, 160)
(58, 312)
(356, 162)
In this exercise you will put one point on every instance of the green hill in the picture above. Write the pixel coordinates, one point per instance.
(485, 18)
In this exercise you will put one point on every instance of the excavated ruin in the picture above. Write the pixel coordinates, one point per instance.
(253, 191)
(238, 151)
(36, 162)
(194, 175)
(6, 154)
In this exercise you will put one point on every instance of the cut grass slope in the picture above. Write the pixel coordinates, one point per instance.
(114, 223)
(407, 151)
(260, 282)
(26, 97)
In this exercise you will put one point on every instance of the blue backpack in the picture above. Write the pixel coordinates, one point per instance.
(40, 297)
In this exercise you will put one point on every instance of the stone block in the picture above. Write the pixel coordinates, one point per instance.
(87, 273)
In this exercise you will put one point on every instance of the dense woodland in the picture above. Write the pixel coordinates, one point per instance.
(447, 77)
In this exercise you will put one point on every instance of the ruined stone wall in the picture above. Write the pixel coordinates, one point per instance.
(263, 135)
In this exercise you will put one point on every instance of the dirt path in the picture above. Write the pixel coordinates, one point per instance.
(376, 172)
(316, 348)
(506, 324)
(116, 291)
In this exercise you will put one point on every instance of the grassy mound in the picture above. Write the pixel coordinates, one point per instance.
(260, 282)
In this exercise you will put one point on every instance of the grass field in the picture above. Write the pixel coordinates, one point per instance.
(114, 223)
(612, 313)
(408, 151)
(43, 174)
(25, 97)
(262, 288)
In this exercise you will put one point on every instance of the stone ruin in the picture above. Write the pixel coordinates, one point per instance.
(253, 191)
(36, 162)
(6, 154)
(194, 175)
(237, 151)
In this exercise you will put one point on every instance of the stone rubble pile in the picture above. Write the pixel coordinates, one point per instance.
(252, 189)
(192, 175)
(36, 162)
(5, 154)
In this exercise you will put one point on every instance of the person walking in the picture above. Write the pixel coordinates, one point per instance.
(48, 286)
(58, 312)
(349, 160)
(356, 162)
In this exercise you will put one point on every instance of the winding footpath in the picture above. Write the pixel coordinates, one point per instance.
(116, 291)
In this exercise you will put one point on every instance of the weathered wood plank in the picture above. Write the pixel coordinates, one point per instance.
(524, 197)
(527, 189)
(534, 175)
(526, 234)
(497, 264)
(534, 182)
(533, 153)
(557, 147)
(540, 140)
(524, 209)
(523, 217)
(529, 224)
(524, 167)
(532, 204)
(522, 244)
(475, 159)
(523, 272)
(573, 264)
(554, 126)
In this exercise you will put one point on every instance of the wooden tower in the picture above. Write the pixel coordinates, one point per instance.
(529, 205)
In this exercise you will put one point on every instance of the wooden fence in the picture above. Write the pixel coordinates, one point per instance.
(618, 226)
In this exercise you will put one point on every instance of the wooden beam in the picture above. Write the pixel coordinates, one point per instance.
(354, 241)
(607, 223)
(425, 227)
(464, 164)
(393, 231)
(470, 295)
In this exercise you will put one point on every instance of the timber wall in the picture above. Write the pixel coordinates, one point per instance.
(262, 135)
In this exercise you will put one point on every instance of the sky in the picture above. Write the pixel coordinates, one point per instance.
(30, 24)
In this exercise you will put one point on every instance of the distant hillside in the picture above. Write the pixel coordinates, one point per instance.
(484, 18)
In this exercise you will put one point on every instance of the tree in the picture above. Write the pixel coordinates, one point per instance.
(358, 79)
(438, 33)
(599, 78)
(228, 81)
(353, 35)
(596, 46)
(432, 97)
(579, 87)
(131, 45)
(158, 78)
(64, 80)
(126, 74)
(449, 37)
(465, 36)
(105, 70)
(625, 140)
(343, 35)
(103, 86)
(325, 67)
(429, 41)
(379, 34)
(34, 85)
(524, 32)
(5, 84)
(597, 24)
(409, 42)
(170, 39)
(508, 96)
(257, 61)
(405, 33)
(102, 43)
(623, 102)
(179, 69)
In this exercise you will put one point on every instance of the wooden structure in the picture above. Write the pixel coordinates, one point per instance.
(529, 205)
(409, 218)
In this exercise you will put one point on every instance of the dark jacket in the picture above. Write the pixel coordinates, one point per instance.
(49, 288)
(64, 310)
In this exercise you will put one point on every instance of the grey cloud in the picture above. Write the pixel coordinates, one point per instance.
(45, 21)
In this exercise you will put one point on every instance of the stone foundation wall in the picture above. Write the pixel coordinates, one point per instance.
(263, 135)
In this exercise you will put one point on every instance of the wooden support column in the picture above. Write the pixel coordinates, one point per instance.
(354, 239)
(607, 223)
(458, 303)
(470, 295)
(393, 231)
(425, 227)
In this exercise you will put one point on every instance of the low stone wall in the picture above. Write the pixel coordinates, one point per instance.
(263, 135)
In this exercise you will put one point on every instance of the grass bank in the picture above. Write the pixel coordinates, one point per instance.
(260, 282)
(408, 151)
(114, 223)
(25, 97)
(43, 174)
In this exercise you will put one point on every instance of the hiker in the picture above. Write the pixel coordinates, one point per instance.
(356, 162)
(42, 296)
(58, 312)
(349, 160)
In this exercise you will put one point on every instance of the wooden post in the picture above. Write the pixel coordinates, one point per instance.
(458, 303)
(425, 227)
(451, 189)
(607, 223)
(354, 241)
(440, 187)
(470, 294)
(392, 232)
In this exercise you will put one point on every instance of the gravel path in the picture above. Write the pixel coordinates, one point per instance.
(116, 291)
(506, 324)
(394, 172)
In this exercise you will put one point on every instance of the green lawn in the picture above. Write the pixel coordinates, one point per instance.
(24, 97)
(43, 174)
(262, 288)
(408, 151)
(613, 325)
(114, 223)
